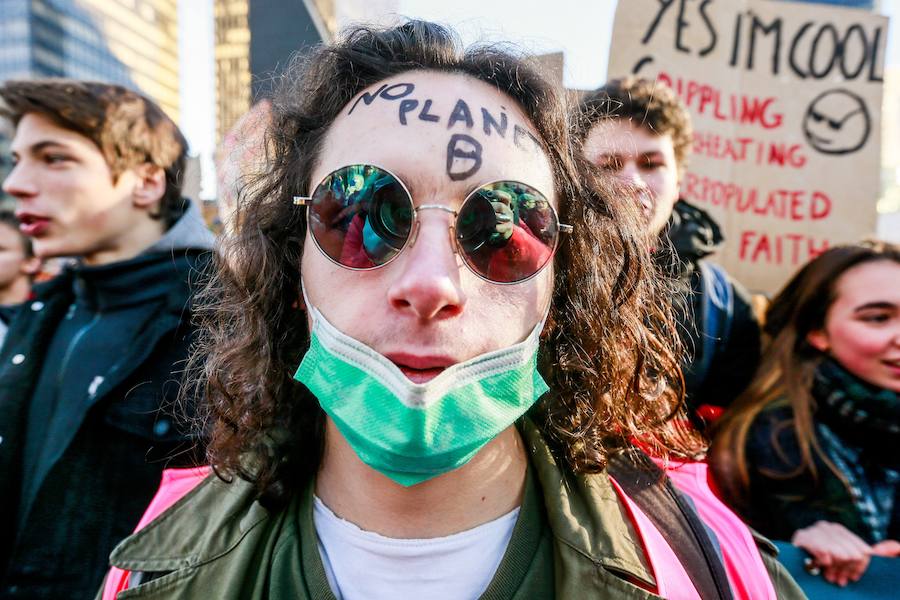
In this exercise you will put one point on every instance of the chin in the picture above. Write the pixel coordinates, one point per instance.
(55, 249)
(892, 385)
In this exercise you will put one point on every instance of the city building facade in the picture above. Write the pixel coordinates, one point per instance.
(254, 41)
(128, 42)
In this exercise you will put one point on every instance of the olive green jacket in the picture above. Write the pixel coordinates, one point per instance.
(217, 542)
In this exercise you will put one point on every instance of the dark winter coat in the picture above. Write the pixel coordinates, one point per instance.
(88, 377)
(857, 428)
(723, 356)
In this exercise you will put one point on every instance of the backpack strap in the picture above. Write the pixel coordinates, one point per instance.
(676, 519)
(716, 315)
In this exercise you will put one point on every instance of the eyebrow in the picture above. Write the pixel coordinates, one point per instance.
(883, 305)
(42, 145)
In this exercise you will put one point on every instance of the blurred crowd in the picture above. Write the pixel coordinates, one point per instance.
(140, 353)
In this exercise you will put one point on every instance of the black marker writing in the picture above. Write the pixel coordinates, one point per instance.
(394, 92)
(819, 48)
(367, 98)
(425, 115)
(405, 107)
(463, 156)
(713, 36)
(461, 112)
(520, 133)
(490, 121)
(390, 94)
(682, 22)
(773, 27)
(813, 50)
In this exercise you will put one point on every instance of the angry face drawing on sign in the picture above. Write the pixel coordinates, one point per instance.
(837, 122)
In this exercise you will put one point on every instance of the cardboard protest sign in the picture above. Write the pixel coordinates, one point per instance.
(786, 101)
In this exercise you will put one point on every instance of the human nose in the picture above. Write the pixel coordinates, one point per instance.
(428, 285)
(630, 174)
(18, 183)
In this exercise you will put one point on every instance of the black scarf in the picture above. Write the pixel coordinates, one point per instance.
(861, 414)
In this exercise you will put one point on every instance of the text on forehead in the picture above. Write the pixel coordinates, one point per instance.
(461, 114)
(464, 152)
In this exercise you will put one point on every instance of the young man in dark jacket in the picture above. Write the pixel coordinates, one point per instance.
(639, 131)
(89, 369)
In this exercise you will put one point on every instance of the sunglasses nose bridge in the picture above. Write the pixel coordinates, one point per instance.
(415, 233)
(453, 214)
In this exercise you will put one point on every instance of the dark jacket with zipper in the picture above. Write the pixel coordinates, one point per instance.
(734, 345)
(89, 375)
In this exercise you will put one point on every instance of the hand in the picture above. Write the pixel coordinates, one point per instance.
(840, 553)
(888, 548)
(504, 214)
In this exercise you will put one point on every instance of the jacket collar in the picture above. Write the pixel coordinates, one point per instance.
(189, 232)
(215, 515)
(585, 513)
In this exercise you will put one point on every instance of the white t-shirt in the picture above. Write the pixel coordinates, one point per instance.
(365, 565)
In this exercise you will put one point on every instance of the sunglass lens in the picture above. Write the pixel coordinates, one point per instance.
(507, 231)
(361, 216)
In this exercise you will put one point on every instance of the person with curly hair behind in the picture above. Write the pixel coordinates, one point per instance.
(639, 131)
(432, 333)
(809, 452)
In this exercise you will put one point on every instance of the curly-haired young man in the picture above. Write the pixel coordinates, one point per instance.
(432, 331)
(640, 132)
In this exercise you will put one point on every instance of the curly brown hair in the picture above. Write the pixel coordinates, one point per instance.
(610, 346)
(128, 128)
(646, 103)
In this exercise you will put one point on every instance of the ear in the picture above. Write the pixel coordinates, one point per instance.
(150, 185)
(818, 339)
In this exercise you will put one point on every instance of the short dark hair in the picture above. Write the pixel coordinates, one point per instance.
(7, 217)
(128, 128)
(647, 103)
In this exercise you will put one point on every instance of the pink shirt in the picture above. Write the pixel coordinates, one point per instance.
(174, 485)
(672, 581)
(746, 571)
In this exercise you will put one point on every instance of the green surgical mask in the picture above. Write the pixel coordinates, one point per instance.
(409, 431)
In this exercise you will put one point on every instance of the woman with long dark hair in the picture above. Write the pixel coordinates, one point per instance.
(810, 451)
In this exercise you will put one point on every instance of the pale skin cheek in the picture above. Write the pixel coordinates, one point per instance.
(859, 351)
(9, 268)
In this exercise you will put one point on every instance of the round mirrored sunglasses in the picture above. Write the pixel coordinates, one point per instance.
(362, 216)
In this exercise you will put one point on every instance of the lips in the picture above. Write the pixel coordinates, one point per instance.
(32, 225)
(420, 369)
(893, 365)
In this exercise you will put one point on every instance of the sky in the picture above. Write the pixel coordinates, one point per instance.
(539, 26)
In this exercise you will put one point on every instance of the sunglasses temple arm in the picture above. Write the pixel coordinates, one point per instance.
(563, 228)
(302, 200)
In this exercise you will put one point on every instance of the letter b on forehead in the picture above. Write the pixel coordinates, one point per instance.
(463, 156)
